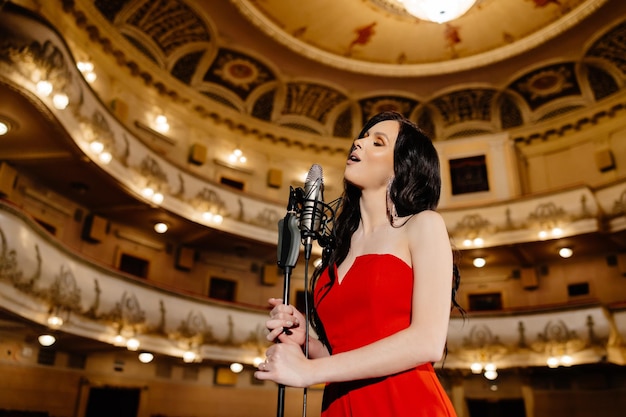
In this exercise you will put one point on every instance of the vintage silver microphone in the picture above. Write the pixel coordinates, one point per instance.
(312, 208)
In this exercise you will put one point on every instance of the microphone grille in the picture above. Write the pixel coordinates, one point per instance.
(315, 173)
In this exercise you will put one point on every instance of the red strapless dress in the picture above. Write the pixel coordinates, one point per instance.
(373, 301)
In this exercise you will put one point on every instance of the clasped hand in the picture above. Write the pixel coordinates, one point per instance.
(285, 362)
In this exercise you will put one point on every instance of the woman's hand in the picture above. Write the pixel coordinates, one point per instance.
(286, 324)
(286, 364)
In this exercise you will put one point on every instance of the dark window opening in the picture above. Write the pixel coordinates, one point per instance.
(581, 288)
(222, 289)
(469, 175)
(232, 183)
(485, 302)
(134, 265)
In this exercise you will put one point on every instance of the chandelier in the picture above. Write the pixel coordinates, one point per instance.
(438, 11)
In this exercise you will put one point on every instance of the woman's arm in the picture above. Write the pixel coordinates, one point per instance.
(423, 341)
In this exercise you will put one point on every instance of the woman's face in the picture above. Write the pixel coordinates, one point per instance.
(370, 163)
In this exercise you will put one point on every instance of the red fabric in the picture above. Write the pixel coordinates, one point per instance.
(374, 301)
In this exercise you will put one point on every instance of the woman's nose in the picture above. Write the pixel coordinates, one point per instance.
(357, 143)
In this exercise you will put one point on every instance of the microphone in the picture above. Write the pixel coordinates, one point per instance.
(312, 208)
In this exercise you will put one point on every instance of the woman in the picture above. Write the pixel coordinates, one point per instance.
(382, 300)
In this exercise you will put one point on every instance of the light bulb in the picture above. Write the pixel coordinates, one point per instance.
(46, 340)
(132, 344)
(565, 252)
(146, 357)
(60, 101)
(44, 88)
(479, 262)
(161, 227)
(236, 367)
(476, 367)
(54, 322)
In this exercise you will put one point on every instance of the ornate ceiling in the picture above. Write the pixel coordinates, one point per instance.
(379, 37)
(323, 66)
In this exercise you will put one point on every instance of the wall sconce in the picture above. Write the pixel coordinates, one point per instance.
(133, 344)
(237, 156)
(60, 101)
(212, 217)
(210, 205)
(55, 322)
(161, 124)
(87, 69)
(98, 148)
(556, 361)
(43, 88)
(191, 356)
(152, 194)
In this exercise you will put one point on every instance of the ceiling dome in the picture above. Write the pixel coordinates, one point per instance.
(379, 37)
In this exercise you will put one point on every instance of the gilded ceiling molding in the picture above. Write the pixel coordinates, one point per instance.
(579, 120)
(236, 124)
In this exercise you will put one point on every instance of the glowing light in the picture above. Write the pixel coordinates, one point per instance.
(84, 66)
(491, 375)
(44, 88)
(91, 77)
(236, 367)
(146, 357)
(4, 128)
(438, 11)
(237, 156)
(132, 344)
(257, 361)
(157, 198)
(105, 157)
(189, 356)
(161, 227)
(553, 362)
(161, 124)
(55, 322)
(565, 252)
(119, 340)
(96, 146)
(479, 262)
(566, 360)
(476, 367)
(60, 101)
(147, 192)
(46, 340)
(478, 241)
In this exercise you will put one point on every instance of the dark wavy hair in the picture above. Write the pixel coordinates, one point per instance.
(416, 187)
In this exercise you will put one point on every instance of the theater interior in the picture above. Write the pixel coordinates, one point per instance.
(148, 149)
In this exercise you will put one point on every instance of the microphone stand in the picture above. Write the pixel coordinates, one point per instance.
(288, 251)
